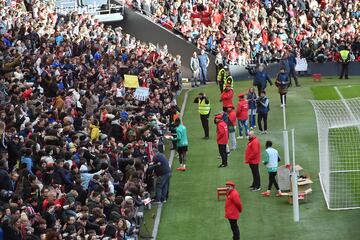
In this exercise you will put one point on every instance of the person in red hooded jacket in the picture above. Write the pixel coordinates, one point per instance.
(222, 138)
(242, 111)
(252, 157)
(226, 97)
(233, 208)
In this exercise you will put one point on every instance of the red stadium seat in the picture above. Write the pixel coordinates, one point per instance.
(317, 77)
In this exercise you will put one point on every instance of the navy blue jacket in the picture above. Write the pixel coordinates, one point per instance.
(164, 167)
(261, 78)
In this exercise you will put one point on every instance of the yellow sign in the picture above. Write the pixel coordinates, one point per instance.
(131, 81)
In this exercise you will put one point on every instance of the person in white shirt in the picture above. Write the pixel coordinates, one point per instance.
(271, 160)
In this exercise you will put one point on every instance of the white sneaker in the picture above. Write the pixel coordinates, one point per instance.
(281, 105)
(251, 128)
(240, 137)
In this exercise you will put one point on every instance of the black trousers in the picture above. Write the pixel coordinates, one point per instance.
(292, 74)
(221, 86)
(235, 229)
(256, 175)
(223, 153)
(205, 123)
(262, 117)
(344, 70)
(259, 88)
(272, 180)
(282, 99)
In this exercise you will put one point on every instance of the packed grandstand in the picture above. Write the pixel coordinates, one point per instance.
(260, 31)
(77, 144)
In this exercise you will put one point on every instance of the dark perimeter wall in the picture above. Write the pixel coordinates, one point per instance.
(146, 30)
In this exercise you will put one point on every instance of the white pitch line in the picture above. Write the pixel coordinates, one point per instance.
(171, 159)
(345, 103)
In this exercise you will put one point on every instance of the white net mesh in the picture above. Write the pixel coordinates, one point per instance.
(338, 123)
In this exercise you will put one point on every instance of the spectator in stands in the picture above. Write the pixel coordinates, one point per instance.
(72, 130)
(195, 68)
(268, 28)
(204, 64)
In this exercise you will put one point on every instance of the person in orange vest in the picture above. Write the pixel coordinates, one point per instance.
(233, 208)
(222, 139)
(226, 97)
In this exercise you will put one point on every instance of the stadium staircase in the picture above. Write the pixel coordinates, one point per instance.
(145, 29)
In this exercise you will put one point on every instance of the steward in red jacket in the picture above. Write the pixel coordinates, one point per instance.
(233, 208)
(222, 138)
(227, 97)
(242, 109)
(252, 153)
(252, 157)
(222, 132)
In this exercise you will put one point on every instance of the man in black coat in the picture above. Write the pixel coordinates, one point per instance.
(5, 181)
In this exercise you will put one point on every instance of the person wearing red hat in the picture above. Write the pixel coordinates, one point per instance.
(252, 157)
(242, 115)
(233, 208)
(231, 122)
(222, 138)
(226, 97)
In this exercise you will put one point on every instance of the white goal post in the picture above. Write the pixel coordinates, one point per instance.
(338, 125)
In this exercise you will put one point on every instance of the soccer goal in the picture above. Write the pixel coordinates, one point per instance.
(338, 124)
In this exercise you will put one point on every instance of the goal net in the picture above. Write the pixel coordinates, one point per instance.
(338, 124)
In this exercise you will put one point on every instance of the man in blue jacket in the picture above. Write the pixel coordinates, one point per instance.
(261, 78)
(292, 73)
(163, 172)
(204, 63)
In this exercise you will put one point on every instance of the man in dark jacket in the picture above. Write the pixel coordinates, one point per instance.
(260, 79)
(262, 110)
(163, 172)
(292, 73)
(5, 181)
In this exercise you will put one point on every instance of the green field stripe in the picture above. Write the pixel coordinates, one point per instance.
(325, 93)
(350, 91)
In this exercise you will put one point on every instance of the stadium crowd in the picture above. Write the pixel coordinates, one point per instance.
(262, 31)
(77, 147)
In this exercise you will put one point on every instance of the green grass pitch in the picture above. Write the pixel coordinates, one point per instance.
(193, 212)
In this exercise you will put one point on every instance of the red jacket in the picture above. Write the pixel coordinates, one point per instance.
(222, 133)
(232, 117)
(252, 153)
(242, 110)
(227, 98)
(233, 205)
